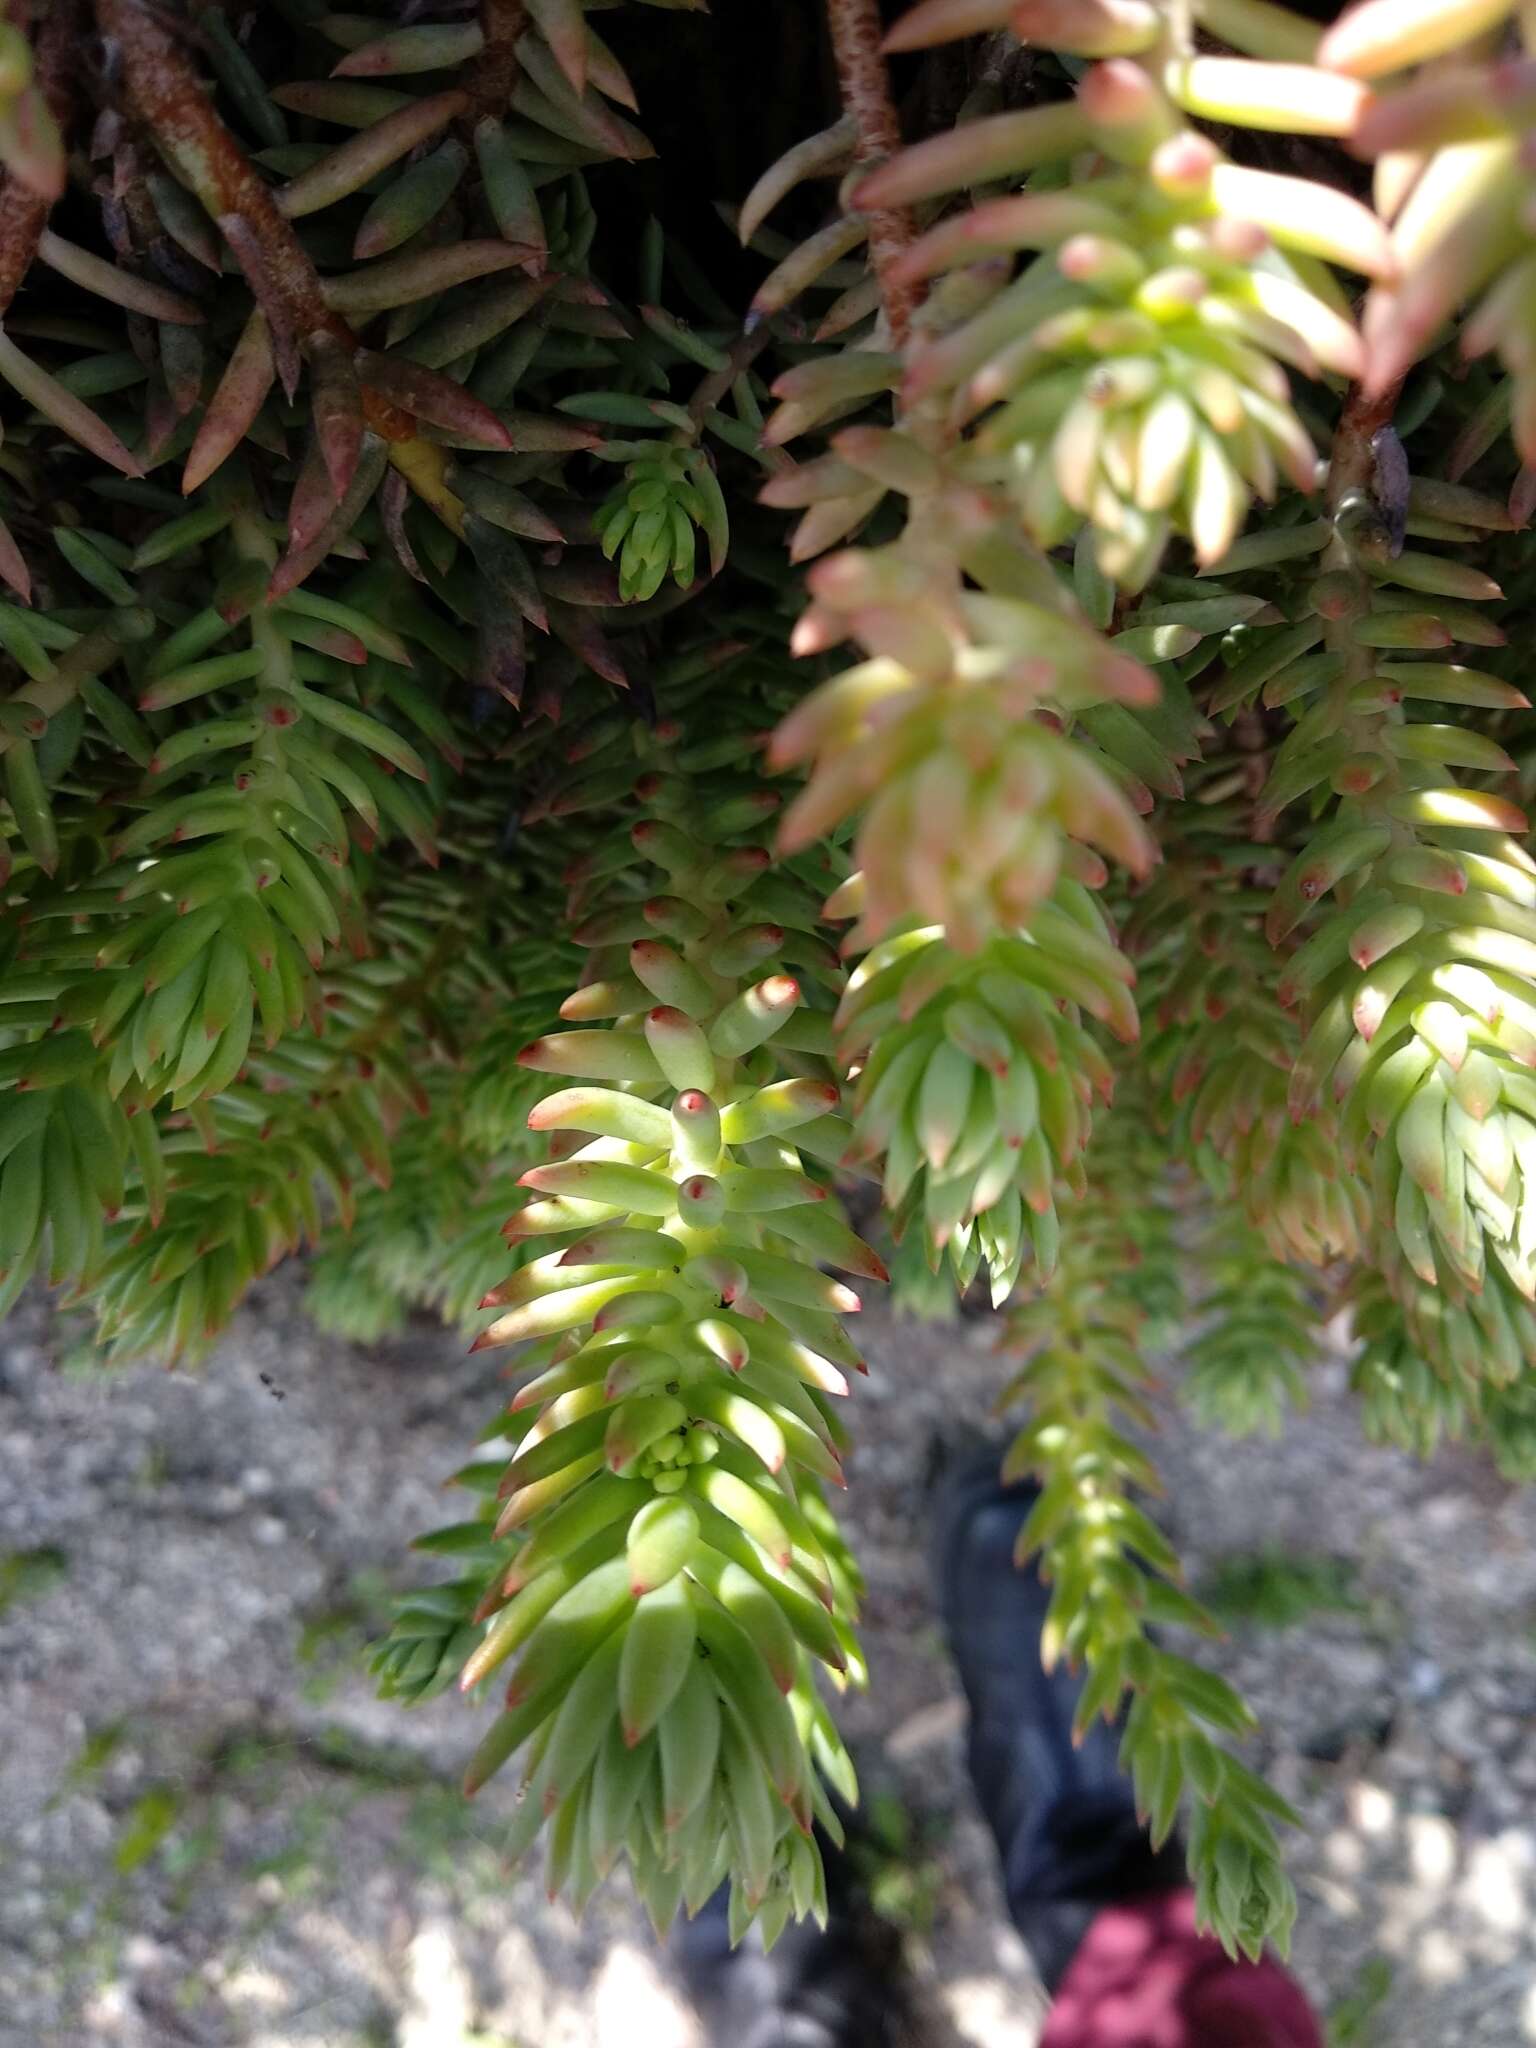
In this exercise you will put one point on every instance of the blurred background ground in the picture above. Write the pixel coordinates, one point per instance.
(212, 1836)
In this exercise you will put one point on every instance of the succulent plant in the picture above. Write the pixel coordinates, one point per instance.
(450, 825)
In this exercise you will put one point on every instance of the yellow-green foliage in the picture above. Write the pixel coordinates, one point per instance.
(403, 657)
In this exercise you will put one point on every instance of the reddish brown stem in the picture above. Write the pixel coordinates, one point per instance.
(861, 75)
(24, 213)
(1352, 468)
(168, 97)
(1353, 460)
(23, 216)
(492, 75)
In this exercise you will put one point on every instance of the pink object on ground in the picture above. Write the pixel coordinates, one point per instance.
(1144, 1978)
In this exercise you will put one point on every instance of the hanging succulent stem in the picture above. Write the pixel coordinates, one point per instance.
(282, 811)
(1363, 476)
(24, 212)
(494, 72)
(22, 218)
(1354, 458)
(301, 323)
(168, 97)
(861, 75)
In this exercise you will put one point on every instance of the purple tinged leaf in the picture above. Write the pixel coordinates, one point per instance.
(404, 279)
(283, 341)
(544, 95)
(815, 156)
(161, 420)
(175, 267)
(12, 566)
(337, 403)
(509, 190)
(432, 397)
(501, 659)
(484, 317)
(429, 46)
(95, 274)
(234, 405)
(505, 566)
(506, 506)
(181, 360)
(314, 499)
(606, 72)
(300, 562)
(348, 167)
(334, 641)
(349, 105)
(415, 198)
(31, 147)
(579, 580)
(562, 24)
(586, 639)
(183, 219)
(67, 413)
(976, 153)
(536, 434)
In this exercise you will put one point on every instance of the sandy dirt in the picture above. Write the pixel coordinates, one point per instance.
(213, 1836)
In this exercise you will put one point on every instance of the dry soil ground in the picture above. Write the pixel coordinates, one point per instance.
(212, 1836)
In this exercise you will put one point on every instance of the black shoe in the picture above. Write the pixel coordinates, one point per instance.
(832, 1987)
(1064, 1818)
